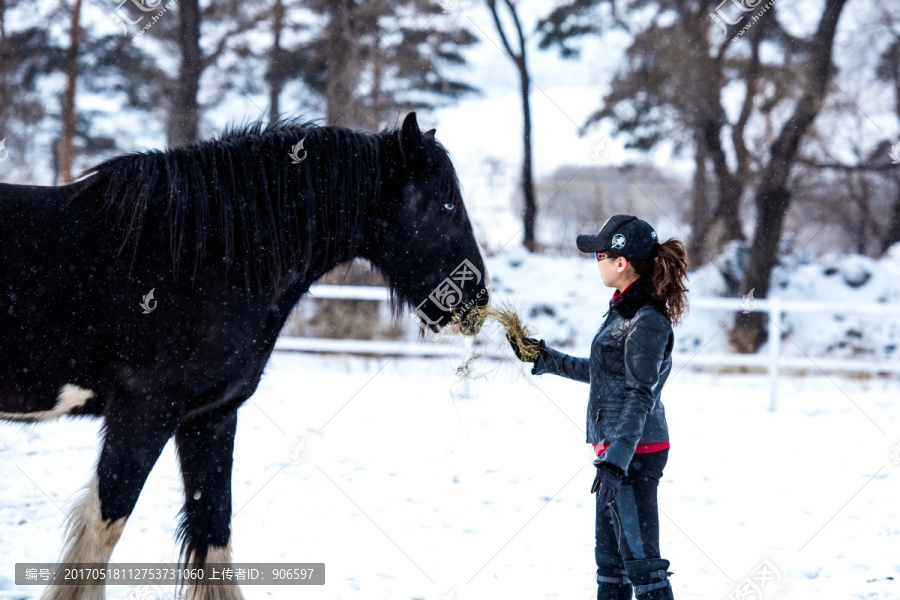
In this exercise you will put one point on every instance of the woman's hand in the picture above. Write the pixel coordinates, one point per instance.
(531, 343)
(607, 482)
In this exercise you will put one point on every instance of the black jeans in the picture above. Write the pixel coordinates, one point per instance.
(631, 532)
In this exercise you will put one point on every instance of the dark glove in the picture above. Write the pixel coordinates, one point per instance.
(607, 482)
(517, 349)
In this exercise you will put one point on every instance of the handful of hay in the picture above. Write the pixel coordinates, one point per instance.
(505, 314)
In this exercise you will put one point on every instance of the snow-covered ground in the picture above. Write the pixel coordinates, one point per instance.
(409, 482)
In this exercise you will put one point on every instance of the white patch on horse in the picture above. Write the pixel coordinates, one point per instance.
(215, 555)
(70, 397)
(89, 539)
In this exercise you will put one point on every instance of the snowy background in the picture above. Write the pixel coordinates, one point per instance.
(409, 481)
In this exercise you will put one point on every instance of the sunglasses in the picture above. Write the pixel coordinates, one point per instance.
(603, 255)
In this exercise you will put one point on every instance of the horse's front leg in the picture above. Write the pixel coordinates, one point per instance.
(205, 452)
(134, 436)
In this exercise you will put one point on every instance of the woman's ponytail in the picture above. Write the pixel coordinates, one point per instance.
(667, 273)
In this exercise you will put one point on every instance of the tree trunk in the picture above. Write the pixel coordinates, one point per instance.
(731, 188)
(69, 116)
(892, 235)
(343, 69)
(700, 213)
(730, 215)
(275, 75)
(750, 329)
(772, 197)
(3, 87)
(530, 212)
(184, 119)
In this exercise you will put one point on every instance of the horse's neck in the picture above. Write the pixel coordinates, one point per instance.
(289, 298)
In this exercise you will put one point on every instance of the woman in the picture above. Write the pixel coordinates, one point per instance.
(626, 422)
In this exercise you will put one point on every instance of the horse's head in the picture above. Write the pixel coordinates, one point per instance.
(419, 235)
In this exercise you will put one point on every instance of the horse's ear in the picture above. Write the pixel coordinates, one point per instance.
(429, 135)
(410, 135)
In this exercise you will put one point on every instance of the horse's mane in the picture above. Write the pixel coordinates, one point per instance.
(238, 197)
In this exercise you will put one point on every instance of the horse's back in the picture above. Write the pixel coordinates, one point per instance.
(72, 316)
(38, 232)
(31, 216)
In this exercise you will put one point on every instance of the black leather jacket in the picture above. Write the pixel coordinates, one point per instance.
(631, 357)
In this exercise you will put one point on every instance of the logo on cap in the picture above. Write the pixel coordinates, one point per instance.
(618, 241)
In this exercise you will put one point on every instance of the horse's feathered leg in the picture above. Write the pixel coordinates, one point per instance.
(205, 452)
(89, 539)
(134, 436)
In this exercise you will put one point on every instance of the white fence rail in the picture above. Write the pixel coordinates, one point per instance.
(771, 361)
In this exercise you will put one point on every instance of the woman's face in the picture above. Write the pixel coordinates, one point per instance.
(612, 269)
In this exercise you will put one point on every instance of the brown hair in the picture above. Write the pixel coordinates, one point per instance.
(666, 272)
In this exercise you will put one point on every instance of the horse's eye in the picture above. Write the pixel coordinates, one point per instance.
(448, 206)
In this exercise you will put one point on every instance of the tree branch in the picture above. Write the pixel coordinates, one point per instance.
(211, 58)
(844, 167)
(516, 58)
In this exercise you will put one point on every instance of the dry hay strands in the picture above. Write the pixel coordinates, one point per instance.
(473, 319)
(506, 315)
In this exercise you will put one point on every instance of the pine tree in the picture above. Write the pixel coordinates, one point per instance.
(373, 61)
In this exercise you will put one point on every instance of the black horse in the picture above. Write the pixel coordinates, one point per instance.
(151, 292)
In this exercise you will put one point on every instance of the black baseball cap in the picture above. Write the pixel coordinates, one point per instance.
(626, 235)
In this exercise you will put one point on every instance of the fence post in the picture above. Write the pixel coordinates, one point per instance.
(774, 350)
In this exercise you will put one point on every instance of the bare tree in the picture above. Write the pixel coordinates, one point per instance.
(670, 90)
(672, 87)
(856, 199)
(520, 60)
(772, 196)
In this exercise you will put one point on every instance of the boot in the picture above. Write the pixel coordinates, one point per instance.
(612, 588)
(650, 579)
(612, 579)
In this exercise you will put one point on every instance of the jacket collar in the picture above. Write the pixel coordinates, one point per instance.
(617, 294)
(635, 296)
